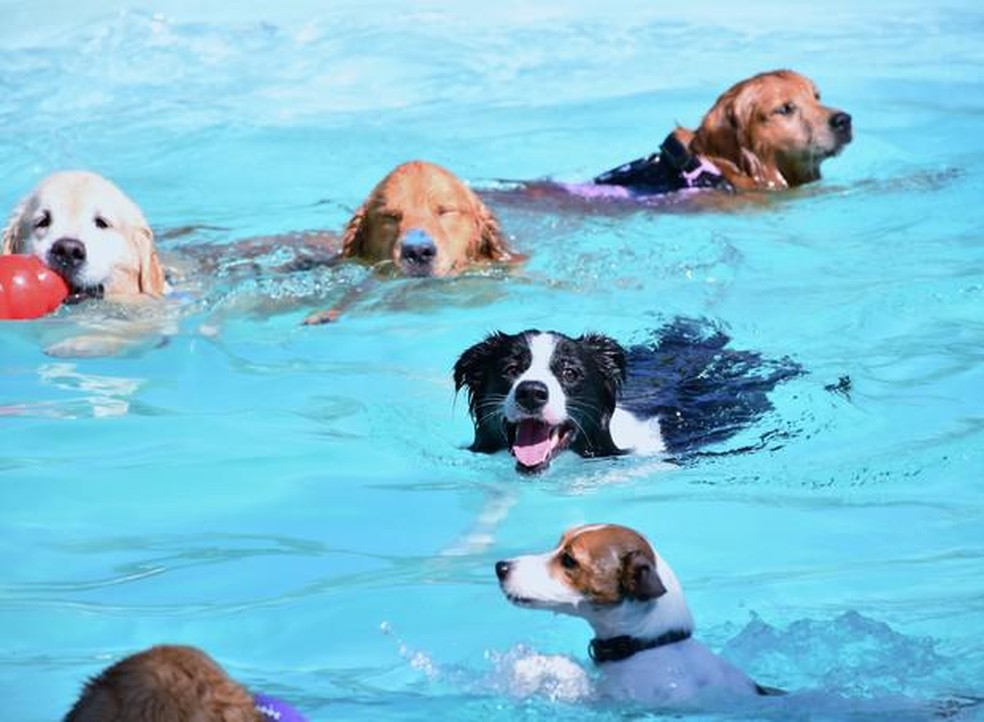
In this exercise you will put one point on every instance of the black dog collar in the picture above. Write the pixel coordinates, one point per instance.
(615, 649)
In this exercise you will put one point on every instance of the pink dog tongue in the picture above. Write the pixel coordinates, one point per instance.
(533, 443)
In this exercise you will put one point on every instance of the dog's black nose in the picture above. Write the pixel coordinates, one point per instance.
(418, 248)
(532, 395)
(502, 570)
(841, 122)
(67, 253)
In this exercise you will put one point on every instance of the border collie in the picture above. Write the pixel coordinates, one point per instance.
(610, 576)
(537, 393)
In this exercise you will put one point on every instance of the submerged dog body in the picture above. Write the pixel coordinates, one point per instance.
(537, 393)
(611, 577)
(768, 132)
(90, 232)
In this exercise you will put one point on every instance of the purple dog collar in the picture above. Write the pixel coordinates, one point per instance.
(276, 710)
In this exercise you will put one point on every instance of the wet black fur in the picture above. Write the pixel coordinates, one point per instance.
(595, 366)
(702, 391)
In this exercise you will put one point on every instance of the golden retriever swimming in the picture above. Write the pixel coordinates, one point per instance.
(768, 132)
(90, 232)
(422, 220)
(771, 132)
(173, 683)
(167, 683)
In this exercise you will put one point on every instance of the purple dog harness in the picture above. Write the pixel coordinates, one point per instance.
(276, 710)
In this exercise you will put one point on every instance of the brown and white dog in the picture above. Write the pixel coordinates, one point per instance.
(167, 683)
(610, 576)
(85, 228)
(422, 220)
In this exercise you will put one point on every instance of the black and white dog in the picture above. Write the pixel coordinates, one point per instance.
(537, 393)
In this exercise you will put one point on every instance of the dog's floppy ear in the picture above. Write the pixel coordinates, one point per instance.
(717, 135)
(638, 578)
(469, 369)
(493, 245)
(151, 276)
(12, 238)
(354, 235)
(726, 136)
(609, 355)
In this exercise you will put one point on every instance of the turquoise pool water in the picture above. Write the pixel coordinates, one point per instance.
(298, 502)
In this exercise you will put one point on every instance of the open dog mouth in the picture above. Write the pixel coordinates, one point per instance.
(518, 600)
(77, 294)
(534, 442)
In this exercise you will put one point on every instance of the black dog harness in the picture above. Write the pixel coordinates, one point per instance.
(615, 649)
(672, 168)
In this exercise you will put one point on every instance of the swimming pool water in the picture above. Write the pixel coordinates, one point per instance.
(298, 502)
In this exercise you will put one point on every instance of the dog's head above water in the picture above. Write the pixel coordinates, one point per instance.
(422, 220)
(537, 393)
(607, 574)
(91, 233)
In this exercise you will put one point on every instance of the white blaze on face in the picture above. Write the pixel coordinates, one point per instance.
(530, 581)
(542, 347)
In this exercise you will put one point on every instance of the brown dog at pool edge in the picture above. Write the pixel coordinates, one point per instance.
(422, 220)
(91, 233)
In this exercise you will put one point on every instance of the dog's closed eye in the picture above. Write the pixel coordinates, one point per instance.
(101, 222)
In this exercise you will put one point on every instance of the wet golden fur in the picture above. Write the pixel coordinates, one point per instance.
(85, 206)
(770, 132)
(167, 683)
(424, 196)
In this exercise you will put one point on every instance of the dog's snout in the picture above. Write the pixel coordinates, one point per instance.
(418, 248)
(532, 395)
(68, 253)
(841, 122)
(502, 570)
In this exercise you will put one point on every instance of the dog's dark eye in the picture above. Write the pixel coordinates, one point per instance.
(511, 368)
(570, 374)
(43, 221)
(101, 223)
(786, 109)
(567, 561)
(446, 210)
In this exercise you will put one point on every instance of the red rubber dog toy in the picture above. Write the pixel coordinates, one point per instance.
(28, 288)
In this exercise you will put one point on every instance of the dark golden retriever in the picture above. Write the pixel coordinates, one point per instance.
(167, 683)
(770, 132)
(422, 220)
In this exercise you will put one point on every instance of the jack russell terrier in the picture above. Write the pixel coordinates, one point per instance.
(610, 576)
